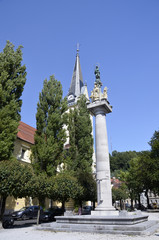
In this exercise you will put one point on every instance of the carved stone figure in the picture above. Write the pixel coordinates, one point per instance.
(95, 94)
(104, 95)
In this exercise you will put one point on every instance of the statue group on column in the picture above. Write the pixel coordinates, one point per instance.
(96, 94)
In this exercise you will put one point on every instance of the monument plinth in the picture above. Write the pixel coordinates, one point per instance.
(99, 108)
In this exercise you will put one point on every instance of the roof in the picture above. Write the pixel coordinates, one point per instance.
(116, 182)
(77, 79)
(26, 132)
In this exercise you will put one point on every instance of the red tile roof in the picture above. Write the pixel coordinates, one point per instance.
(26, 132)
(116, 182)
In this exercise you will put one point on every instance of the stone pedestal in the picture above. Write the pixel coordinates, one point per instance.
(124, 224)
(104, 195)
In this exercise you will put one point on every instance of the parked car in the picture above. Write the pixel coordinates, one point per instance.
(86, 210)
(140, 207)
(26, 213)
(50, 213)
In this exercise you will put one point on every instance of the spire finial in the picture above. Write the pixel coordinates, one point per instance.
(77, 47)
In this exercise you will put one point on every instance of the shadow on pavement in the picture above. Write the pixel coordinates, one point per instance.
(24, 223)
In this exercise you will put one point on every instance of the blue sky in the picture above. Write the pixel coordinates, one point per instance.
(122, 36)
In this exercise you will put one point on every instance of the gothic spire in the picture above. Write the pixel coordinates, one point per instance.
(77, 80)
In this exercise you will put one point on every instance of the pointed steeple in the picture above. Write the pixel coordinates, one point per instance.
(77, 80)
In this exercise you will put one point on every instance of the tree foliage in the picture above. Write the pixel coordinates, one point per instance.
(154, 155)
(80, 136)
(120, 194)
(131, 178)
(154, 143)
(120, 160)
(14, 178)
(65, 187)
(12, 81)
(38, 187)
(89, 185)
(50, 135)
(81, 148)
(140, 177)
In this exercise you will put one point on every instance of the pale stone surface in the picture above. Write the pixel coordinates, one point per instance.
(104, 196)
(29, 233)
(107, 212)
(128, 225)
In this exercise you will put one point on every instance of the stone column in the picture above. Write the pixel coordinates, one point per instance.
(104, 196)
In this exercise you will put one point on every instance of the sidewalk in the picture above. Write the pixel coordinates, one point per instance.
(30, 233)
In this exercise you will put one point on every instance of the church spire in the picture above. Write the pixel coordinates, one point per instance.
(77, 80)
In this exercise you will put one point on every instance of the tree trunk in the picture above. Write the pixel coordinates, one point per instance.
(41, 204)
(38, 216)
(94, 205)
(63, 206)
(139, 201)
(121, 205)
(148, 202)
(132, 207)
(3, 204)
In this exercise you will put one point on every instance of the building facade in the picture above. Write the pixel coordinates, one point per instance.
(22, 151)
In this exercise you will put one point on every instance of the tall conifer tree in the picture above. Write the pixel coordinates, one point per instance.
(12, 81)
(81, 149)
(50, 135)
(81, 139)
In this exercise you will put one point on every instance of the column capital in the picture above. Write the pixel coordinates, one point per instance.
(99, 107)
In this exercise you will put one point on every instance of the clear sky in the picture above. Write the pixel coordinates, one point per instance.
(122, 36)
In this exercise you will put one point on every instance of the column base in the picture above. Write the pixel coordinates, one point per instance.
(105, 212)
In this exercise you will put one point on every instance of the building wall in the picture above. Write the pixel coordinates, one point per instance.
(22, 150)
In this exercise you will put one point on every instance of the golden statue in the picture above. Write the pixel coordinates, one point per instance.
(95, 94)
(104, 95)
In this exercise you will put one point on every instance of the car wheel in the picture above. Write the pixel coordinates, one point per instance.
(7, 223)
(24, 217)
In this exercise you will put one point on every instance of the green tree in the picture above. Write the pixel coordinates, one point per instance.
(38, 187)
(120, 194)
(80, 135)
(154, 143)
(120, 160)
(89, 185)
(132, 180)
(50, 135)
(14, 177)
(139, 176)
(65, 187)
(12, 81)
(81, 147)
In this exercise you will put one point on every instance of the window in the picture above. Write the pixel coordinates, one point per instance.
(23, 153)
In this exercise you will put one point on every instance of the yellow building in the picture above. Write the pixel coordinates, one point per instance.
(22, 151)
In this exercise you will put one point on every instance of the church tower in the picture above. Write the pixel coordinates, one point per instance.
(77, 86)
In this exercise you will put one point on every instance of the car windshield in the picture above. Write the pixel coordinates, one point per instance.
(23, 209)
